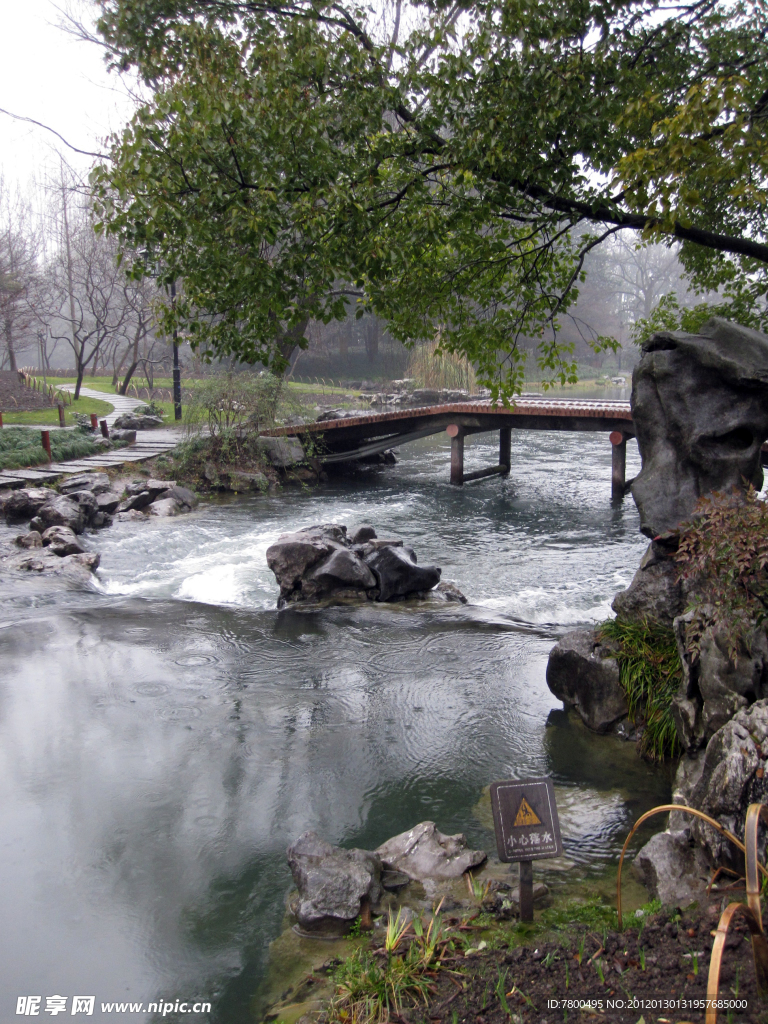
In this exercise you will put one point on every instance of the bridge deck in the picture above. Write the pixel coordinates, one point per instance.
(527, 413)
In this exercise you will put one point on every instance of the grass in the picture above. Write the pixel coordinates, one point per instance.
(50, 417)
(20, 447)
(372, 986)
(650, 674)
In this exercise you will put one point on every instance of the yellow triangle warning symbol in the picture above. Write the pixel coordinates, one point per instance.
(526, 814)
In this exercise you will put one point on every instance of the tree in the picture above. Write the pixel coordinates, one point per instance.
(459, 176)
(18, 271)
(85, 302)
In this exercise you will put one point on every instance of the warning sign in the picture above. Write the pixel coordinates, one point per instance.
(525, 816)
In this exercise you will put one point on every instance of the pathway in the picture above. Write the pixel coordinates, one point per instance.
(147, 445)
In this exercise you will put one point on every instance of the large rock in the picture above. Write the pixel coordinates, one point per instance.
(716, 686)
(655, 593)
(293, 554)
(136, 421)
(398, 575)
(60, 510)
(187, 499)
(96, 483)
(673, 869)
(424, 852)
(62, 541)
(88, 502)
(108, 502)
(282, 452)
(25, 503)
(700, 409)
(135, 502)
(733, 775)
(585, 675)
(332, 883)
(343, 567)
(164, 507)
(321, 563)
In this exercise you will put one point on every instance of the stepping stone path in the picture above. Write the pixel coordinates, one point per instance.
(147, 445)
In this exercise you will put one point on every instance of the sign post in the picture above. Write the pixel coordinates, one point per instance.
(527, 829)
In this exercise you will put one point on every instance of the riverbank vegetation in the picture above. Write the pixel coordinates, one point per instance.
(650, 674)
(20, 447)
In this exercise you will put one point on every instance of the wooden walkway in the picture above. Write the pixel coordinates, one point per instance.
(355, 437)
(147, 445)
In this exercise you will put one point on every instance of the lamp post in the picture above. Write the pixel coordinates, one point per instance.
(176, 369)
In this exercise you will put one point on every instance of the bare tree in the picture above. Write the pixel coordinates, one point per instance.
(19, 250)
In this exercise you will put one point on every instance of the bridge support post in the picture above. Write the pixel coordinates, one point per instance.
(456, 434)
(505, 449)
(618, 463)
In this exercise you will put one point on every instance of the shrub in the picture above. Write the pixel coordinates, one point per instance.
(723, 550)
(650, 674)
(238, 401)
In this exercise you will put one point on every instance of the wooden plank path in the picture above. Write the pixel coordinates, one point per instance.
(354, 437)
(147, 445)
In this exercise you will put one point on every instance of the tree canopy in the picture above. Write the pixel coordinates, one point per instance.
(453, 168)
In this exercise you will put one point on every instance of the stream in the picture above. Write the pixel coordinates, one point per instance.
(167, 734)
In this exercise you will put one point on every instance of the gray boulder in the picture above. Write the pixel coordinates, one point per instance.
(132, 515)
(343, 567)
(164, 507)
(96, 483)
(362, 534)
(25, 503)
(398, 576)
(135, 502)
(88, 502)
(673, 869)
(424, 852)
(187, 499)
(107, 502)
(585, 675)
(29, 540)
(158, 487)
(732, 777)
(332, 883)
(447, 591)
(700, 409)
(136, 421)
(655, 594)
(240, 481)
(123, 435)
(282, 452)
(62, 541)
(293, 554)
(60, 510)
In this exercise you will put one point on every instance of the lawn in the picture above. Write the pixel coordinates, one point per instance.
(50, 417)
(20, 447)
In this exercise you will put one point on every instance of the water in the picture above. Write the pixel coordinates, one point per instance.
(166, 735)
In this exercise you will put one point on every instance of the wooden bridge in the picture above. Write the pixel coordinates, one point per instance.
(355, 437)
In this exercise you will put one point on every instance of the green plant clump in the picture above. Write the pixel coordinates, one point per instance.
(20, 447)
(650, 674)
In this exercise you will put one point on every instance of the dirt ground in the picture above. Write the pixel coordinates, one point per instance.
(15, 396)
(658, 975)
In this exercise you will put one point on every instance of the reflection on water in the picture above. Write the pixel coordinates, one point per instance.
(166, 736)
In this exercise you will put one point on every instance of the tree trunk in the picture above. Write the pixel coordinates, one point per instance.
(9, 348)
(127, 379)
(80, 375)
(372, 339)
